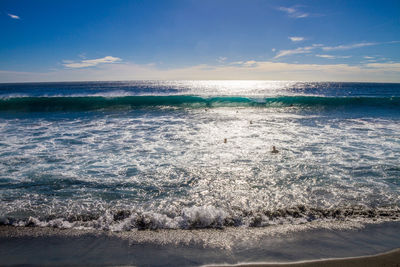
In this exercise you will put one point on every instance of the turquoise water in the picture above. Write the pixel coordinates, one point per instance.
(148, 155)
(117, 103)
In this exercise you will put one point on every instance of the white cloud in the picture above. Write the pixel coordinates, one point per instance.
(288, 10)
(237, 63)
(296, 39)
(301, 15)
(326, 56)
(346, 47)
(368, 57)
(356, 45)
(293, 12)
(222, 59)
(332, 56)
(393, 66)
(249, 64)
(90, 62)
(13, 16)
(299, 50)
(245, 70)
(307, 49)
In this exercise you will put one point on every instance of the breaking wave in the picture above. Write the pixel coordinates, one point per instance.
(207, 217)
(91, 103)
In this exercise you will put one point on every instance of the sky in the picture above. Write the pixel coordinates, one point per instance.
(336, 40)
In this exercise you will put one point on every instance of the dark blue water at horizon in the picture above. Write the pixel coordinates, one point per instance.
(201, 88)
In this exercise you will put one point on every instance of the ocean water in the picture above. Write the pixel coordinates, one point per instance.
(122, 156)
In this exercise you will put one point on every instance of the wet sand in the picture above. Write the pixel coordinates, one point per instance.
(280, 245)
(388, 259)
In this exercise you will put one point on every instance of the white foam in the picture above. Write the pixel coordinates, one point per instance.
(173, 170)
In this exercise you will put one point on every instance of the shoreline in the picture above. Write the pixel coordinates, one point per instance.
(388, 259)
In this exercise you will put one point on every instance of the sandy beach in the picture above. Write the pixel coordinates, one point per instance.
(388, 259)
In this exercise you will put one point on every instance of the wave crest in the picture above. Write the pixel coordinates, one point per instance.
(50, 104)
(209, 217)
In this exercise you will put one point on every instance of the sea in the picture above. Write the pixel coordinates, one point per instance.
(179, 157)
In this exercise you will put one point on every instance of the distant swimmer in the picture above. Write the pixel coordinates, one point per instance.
(251, 122)
(274, 150)
(225, 140)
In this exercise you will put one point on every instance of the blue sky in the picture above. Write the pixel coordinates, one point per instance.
(203, 39)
